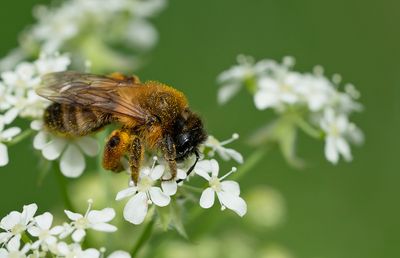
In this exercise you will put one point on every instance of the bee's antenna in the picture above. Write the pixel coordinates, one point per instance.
(192, 167)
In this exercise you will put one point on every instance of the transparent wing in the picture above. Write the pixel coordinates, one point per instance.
(88, 90)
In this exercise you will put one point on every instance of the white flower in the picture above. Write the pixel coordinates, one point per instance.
(6, 136)
(277, 92)
(225, 153)
(93, 219)
(171, 186)
(20, 96)
(75, 251)
(43, 231)
(143, 194)
(335, 127)
(119, 254)
(233, 80)
(70, 151)
(227, 191)
(317, 91)
(16, 223)
(13, 249)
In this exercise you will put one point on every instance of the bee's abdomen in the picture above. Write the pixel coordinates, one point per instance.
(74, 120)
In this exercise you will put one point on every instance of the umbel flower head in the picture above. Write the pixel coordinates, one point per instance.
(307, 101)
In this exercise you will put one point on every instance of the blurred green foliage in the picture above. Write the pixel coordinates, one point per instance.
(345, 211)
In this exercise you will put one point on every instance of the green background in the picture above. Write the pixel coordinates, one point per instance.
(346, 211)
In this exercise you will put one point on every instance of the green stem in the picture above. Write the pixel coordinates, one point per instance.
(143, 238)
(62, 182)
(20, 137)
(25, 238)
(250, 163)
(308, 129)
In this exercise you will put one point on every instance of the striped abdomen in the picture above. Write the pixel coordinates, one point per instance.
(74, 120)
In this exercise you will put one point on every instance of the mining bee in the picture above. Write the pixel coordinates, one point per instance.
(150, 116)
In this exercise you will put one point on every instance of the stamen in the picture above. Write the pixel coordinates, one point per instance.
(90, 202)
(233, 170)
(131, 183)
(155, 158)
(234, 137)
(223, 208)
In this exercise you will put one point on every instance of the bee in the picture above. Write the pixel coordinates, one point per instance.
(150, 116)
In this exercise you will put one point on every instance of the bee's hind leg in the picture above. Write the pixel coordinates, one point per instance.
(136, 154)
(117, 145)
(168, 148)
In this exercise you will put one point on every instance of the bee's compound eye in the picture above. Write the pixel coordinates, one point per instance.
(114, 141)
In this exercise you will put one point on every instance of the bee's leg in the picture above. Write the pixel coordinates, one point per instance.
(117, 145)
(136, 154)
(168, 148)
(122, 77)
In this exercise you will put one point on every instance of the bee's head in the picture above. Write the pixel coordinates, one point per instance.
(188, 134)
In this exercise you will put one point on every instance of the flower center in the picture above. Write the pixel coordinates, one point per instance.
(44, 234)
(334, 130)
(145, 184)
(82, 223)
(17, 229)
(14, 254)
(215, 184)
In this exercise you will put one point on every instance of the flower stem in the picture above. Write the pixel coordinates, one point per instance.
(143, 238)
(308, 129)
(25, 238)
(62, 182)
(20, 137)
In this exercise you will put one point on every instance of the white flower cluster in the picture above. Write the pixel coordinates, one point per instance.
(313, 99)
(41, 239)
(18, 97)
(152, 189)
(85, 28)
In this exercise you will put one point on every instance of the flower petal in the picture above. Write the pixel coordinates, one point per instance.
(72, 162)
(78, 235)
(344, 148)
(89, 146)
(157, 172)
(44, 221)
(53, 149)
(119, 254)
(169, 187)
(103, 215)
(214, 167)
(90, 253)
(28, 212)
(207, 198)
(14, 243)
(40, 140)
(72, 215)
(126, 193)
(230, 186)
(9, 221)
(56, 230)
(235, 155)
(10, 115)
(233, 202)
(105, 227)
(158, 197)
(331, 152)
(3, 155)
(9, 133)
(136, 208)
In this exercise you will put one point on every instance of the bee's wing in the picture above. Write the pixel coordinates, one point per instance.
(88, 90)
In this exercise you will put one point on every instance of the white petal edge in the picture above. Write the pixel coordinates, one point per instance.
(72, 162)
(158, 197)
(135, 210)
(207, 198)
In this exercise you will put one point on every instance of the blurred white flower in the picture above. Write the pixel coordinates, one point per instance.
(75, 251)
(20, 97)
(233, 79)
(225, 153)
(93, 219)
(277, 92)
(335, 127)
(15, 223)
(227, 191)
(143, 194)
(119, 254)
(70, 151)
(43, 231)
(13, 249)
(6, 136)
